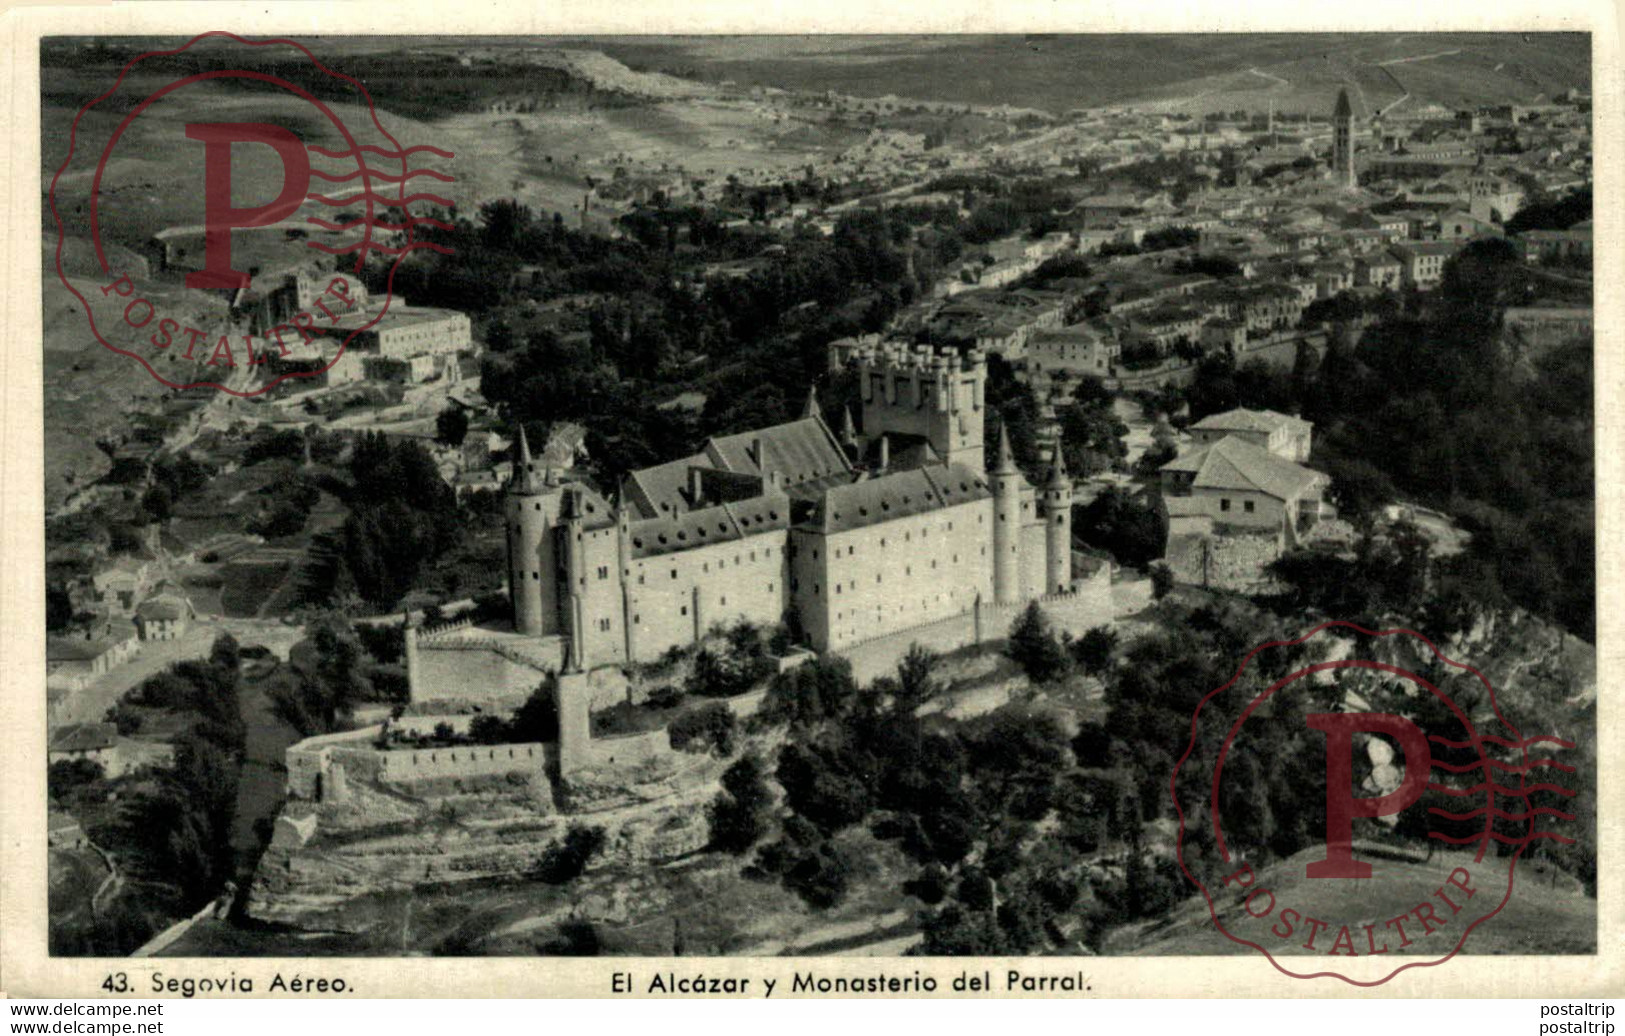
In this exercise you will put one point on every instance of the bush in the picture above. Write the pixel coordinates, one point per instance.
(567, 860)
(1034, 646)
(70, 775)
(665, 697)
(125, 718)
(711, 728)
(820, 877)
(1162, 580)
(738, 815)
(1093, 650)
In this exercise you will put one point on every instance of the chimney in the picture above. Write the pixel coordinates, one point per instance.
(885, 453)
(756, 451)
(696, 487)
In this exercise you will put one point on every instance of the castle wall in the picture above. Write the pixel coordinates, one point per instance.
(902, 573)
(627, 750)
(1226, 561)
(474, 668)
(307, 760)
(676, 598)
(1089, 604)
(1034, 558)
(400, 767)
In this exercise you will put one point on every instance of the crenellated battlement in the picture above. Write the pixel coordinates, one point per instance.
(899, 357)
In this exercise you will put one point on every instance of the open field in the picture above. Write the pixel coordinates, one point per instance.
(1057, 73)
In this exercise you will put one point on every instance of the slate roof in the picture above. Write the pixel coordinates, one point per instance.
(717, 524)
(1235, 464)
(901, 494)
(83, 737)
(164, 608)
(801, 451)
(1242, 419)
(798, 450)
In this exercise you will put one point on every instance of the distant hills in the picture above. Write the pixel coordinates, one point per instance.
(1207, 72)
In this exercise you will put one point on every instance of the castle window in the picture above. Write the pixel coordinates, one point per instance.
(736, 559)
(705, 567)
(882, 541)
(1224, 504)
(753, 555)
(603, 625)
(683, 610)
(1246, 506)
(535, 576)
(877, 577)
(637, 620)
(837, 587)
(674, 573)
(640, 578)
(603, 571)
(770, 588)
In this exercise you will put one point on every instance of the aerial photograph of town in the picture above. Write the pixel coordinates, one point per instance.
(683, 496)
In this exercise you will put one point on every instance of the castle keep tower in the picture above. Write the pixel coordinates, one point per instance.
(531, 509)
(1056, 510)
(1007, 484)
(1343, 142)
(910, 391)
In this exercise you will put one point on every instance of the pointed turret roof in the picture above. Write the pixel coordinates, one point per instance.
(1006, 464)
(811, 409)
(849, 431)
(524, 478)
(1058, 478)
(1343, 109)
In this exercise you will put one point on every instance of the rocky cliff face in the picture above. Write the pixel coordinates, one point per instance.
(326, 858)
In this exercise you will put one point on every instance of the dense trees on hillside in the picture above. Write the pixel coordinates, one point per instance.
(174, 826)
(1434, 406)
(402, 517)
(1552, 213)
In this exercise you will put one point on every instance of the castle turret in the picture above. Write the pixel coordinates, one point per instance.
(1007, 480)
(574, 574)
(849, 435)
(811, 409)
(530, 508)
(910, 391)
(1056, 507)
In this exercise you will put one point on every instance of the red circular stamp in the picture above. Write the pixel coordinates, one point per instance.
(1414, 839)
(199, 288)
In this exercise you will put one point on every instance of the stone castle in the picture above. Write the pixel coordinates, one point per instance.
(845, 537)
(861, 544)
